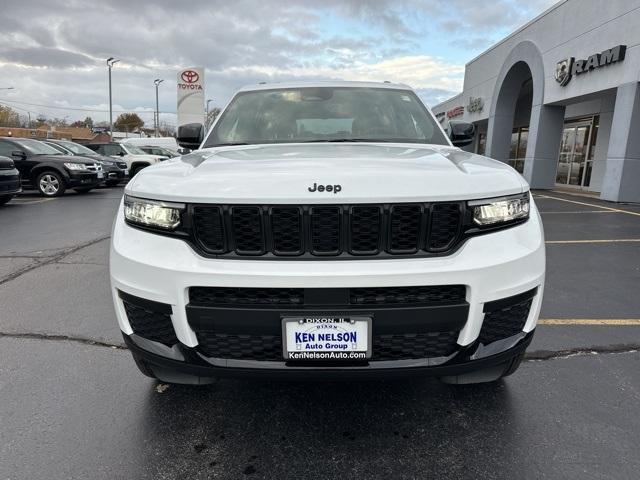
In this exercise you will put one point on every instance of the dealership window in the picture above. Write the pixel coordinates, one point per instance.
(519, 138)
(482, 143)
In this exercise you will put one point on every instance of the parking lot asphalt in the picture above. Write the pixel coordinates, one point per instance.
(73, 405)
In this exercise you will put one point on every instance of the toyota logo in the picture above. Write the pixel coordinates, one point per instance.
(189, 76)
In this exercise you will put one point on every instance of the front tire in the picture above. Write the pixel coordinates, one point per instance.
(50, 184)
(5, 198)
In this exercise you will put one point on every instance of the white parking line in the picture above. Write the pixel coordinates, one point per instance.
(31, 202)
(590, 205)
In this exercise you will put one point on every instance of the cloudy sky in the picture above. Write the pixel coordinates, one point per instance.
(53, 52)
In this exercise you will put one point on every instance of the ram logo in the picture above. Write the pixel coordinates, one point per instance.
(563, 71)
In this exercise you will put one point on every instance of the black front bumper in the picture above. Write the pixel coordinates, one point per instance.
(113, 173)
(408, 337)
(83, 180)
(10, 182)
(192, 363)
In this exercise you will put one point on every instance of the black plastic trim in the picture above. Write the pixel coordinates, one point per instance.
(509, 301)
(459, 364)
(144, 303)
(387, 320)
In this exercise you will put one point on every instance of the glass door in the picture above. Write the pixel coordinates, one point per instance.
(574, 153)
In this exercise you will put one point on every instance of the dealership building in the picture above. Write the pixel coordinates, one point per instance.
(559, 99)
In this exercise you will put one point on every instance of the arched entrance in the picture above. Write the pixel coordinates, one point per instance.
(521, 128)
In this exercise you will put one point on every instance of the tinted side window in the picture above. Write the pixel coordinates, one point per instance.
(6, 149)
(111, 149)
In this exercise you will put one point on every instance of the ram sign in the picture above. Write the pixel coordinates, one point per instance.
(191, 95)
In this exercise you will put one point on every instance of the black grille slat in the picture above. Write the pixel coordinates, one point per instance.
(365, 230)
(414, 295)
(374, 230)
(445, 226)
(287, 231)
(248, 235)
(427, 295)
(208, 227)
(404, 235)
(150, 324)
(325, 230)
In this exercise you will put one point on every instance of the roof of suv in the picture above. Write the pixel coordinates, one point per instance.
(333, 83)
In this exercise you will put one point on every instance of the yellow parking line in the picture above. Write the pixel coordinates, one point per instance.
(590, 205)
(591, 321)
(612, 240)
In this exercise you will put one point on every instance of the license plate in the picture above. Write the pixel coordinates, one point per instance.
(100, 175)
(326, 338)
(126, 172)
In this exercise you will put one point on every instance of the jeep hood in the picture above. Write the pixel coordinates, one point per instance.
(366, 172)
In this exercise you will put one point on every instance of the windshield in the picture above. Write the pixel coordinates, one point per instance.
(38, 148)
(77, 148)
(133, 150)
(326, 114)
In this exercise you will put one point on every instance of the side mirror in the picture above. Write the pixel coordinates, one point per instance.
(461, 133)
(121, 153)
(190, 135)
(18, 155)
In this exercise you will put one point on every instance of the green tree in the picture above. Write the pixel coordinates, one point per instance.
(9, 117)
(128, 122)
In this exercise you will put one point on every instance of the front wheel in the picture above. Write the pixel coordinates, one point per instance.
(5, 198)
(50, 184)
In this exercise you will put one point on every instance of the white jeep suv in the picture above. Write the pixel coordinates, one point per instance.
(327, 230)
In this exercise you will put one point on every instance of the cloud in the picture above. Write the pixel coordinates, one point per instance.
(52, 54)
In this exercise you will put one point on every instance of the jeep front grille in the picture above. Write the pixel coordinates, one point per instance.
(327, 230)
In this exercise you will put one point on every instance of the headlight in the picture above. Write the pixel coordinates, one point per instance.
(151, 213)
(495, 211)
(76, 166)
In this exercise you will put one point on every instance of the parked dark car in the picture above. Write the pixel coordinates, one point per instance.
(114, 171)
(9, 180)
(46, 169)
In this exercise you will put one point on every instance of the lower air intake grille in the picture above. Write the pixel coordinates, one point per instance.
(414, 345)
(385, 347)
(439, 294)
(240, 347)
(505, 318)
(151, 324)
(205, 296)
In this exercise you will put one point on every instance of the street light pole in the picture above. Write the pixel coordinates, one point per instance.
(157, 83)
(110, 63)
